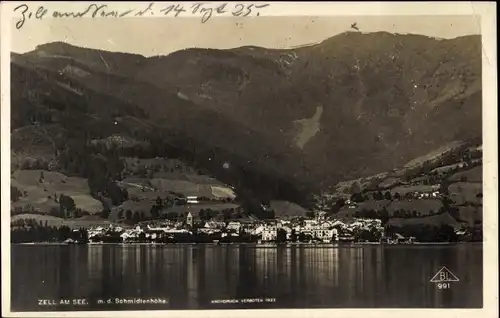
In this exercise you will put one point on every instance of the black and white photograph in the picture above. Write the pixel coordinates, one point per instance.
(216, 156)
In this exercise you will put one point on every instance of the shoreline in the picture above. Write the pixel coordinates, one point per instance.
(276, 245)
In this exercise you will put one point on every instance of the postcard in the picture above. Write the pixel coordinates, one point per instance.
(242, 159)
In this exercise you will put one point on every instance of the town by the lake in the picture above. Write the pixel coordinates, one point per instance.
(319, 229)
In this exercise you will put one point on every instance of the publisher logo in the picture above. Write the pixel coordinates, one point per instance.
(443, 278)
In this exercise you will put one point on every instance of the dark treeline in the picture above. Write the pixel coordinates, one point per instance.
(24, 231)
(362, 196)
(384, 215)
(367, 235)
(436, 233)
(425, 232)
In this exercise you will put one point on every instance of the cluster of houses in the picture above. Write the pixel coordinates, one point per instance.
(351, 204)
(426, 195)
(318, 230)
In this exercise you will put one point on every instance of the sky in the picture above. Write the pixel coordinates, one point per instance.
(161, 36)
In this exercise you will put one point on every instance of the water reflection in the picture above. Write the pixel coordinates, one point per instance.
(192, 276)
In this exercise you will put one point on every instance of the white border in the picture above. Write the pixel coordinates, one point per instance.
(485, 11)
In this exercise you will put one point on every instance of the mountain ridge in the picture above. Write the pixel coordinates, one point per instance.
(385, 98)
(384, 33)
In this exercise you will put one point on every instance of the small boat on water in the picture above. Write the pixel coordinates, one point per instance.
(70, 241)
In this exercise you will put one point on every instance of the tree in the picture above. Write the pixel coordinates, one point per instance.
(64, 233)
(155, 211)
(159, 202)
(455, 213)
(202, 215)
(340, 202)
(78, 213)
(370, 235)
(388, 195)
(56, 212)
(142, 237)
(357, 197)
(105, 211)
(384, 216)
(67, 204)
(235, 214)
(84, 235)
(446, 233)
(226, 214)
(302, 237)
(172, 216)
(443, 187)
(15, 194)
(446, 203)
(212, 213)
(356, 187)
(372, 214)
(281, 236)
(136, 217)
(128, 215)
(116, 194)
(337, 206)
(378, 196)
(272, 214)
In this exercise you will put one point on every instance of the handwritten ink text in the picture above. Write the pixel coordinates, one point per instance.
(203, 10)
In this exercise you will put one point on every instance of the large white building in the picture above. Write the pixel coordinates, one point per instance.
(325, 234)
(233, 226)
(269, 233)
(192, 199)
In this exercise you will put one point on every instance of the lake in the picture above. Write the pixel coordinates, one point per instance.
(182, 276)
